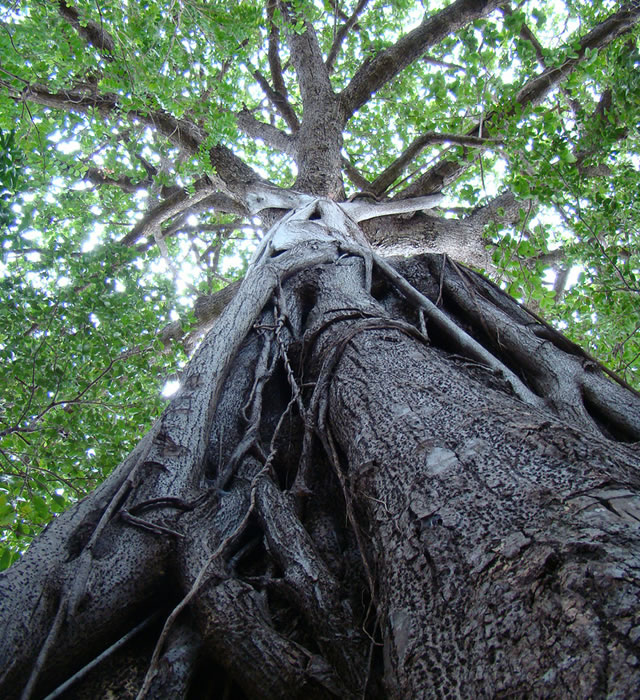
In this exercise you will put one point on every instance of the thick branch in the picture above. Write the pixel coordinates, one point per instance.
(89, 30)
(238, 176)
(375, 73)
(313, 78)
(179, 132)
(387, 177)
(532, 93)
(271, 135)
(320, 136)
(460, 239)
(275, 65)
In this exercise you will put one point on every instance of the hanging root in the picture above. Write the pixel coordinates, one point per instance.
(466, 344)
(573, 383)
(199, 581)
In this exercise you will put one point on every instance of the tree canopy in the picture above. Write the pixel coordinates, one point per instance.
(131, 133)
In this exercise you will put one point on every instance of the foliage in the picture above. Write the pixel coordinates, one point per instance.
(10, 171)
(80, 308)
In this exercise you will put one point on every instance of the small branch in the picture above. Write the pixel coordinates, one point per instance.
(528, 35)
(125, 183)
(444, 64)
(560, 283)
(355, 175)
(176, 204)
(281, 141)
(387, 177)
(280, 97)
(278, 101)
(532, 93)
(16, 429)
(600, 36)
(342, 33)
(481, 216)
(594, 123)
(151, 170)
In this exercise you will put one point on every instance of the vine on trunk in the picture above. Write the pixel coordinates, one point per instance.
(261, 477)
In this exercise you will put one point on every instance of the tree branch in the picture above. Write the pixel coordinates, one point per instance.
(312, 74)
(532, 93)
(280, 96)
(179, 132)
(89, 30)
(125, 183)
(281, 141)
(175, 204)
(355, 175)
(320, 137)
(600, 36)
(594, 121)
(506, 201)
(278, 101)
(386, 65)
(388, 176)
(528, 35)
(341, 33)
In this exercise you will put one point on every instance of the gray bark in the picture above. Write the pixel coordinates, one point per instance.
(374, 482)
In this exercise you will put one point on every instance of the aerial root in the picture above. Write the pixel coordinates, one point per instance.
(200, 580)
(78, 675)
(460, 338)
(314, 587)
(58, 620)
(570, 379)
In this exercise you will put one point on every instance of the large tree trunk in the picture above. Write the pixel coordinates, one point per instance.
(376, 481)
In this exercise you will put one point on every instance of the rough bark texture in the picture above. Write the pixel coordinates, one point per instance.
(376, 480)
(345, 500)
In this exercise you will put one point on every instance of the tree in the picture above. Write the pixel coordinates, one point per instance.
(380, 476)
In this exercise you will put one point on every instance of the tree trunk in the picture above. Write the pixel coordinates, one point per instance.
(376, 481)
